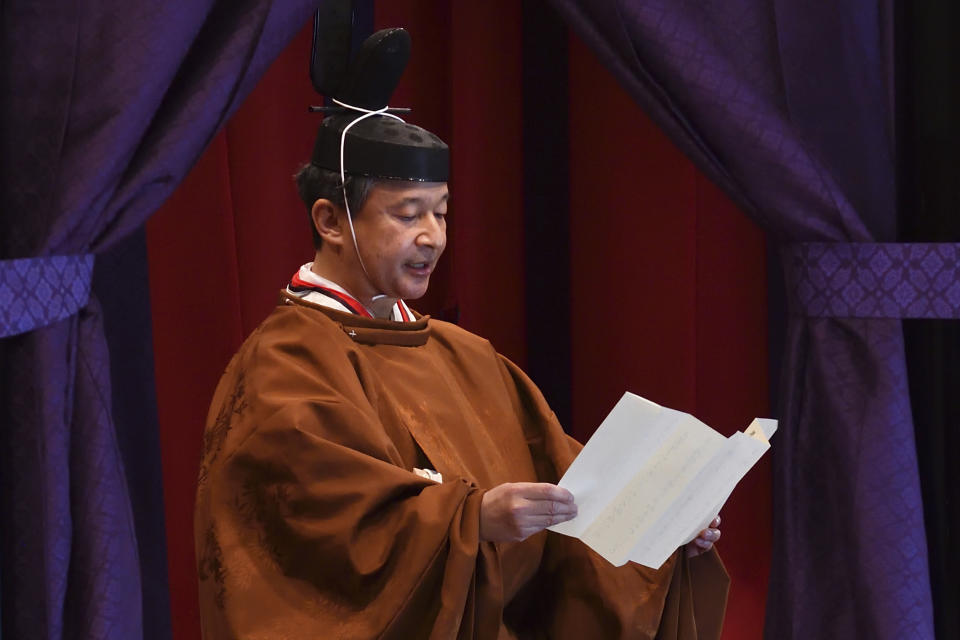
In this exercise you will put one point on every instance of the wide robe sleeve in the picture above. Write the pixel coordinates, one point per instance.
(309, 521)
(576, 593)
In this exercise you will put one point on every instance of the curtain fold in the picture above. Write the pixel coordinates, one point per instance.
(786, 106)
(104, 106)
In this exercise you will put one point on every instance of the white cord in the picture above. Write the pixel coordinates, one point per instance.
(365, 113)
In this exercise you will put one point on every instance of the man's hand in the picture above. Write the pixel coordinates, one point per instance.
(704, 542)
(516, 510)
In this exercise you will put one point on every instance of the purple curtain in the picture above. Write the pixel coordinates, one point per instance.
(104, 107)
(787, 105)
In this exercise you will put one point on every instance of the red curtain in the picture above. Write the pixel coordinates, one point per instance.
(668, 278)
(668, 301)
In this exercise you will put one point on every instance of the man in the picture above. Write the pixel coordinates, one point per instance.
(369, 472)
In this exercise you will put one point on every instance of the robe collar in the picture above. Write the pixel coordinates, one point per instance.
(365, 330)
(312, 287)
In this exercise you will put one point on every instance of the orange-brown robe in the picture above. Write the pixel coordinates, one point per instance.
(310, 522)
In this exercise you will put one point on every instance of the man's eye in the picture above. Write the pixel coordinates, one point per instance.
(406, 218)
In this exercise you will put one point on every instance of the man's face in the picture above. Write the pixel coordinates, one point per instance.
(402, 231)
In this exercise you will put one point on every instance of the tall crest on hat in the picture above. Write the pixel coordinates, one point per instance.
(360, 134)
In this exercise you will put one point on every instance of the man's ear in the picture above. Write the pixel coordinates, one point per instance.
(328, 220)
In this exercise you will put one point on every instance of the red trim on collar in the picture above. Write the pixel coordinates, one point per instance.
(345, 299)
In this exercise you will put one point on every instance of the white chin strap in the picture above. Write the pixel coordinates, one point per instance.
(364, 114)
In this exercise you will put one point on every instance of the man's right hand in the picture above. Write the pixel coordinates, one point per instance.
(516, 510)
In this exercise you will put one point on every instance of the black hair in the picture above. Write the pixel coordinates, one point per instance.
(314, 183)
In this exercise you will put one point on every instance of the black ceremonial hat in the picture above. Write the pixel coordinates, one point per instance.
(379, 146)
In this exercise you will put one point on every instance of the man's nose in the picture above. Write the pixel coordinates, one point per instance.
(431, 233)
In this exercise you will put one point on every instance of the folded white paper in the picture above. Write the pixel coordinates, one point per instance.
(651, 478)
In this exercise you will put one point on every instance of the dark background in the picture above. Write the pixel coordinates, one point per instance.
(928, 104)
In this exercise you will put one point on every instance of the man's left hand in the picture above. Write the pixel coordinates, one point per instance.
(704, 542)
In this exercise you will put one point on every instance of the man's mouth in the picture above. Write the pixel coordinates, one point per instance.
(420, 268)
